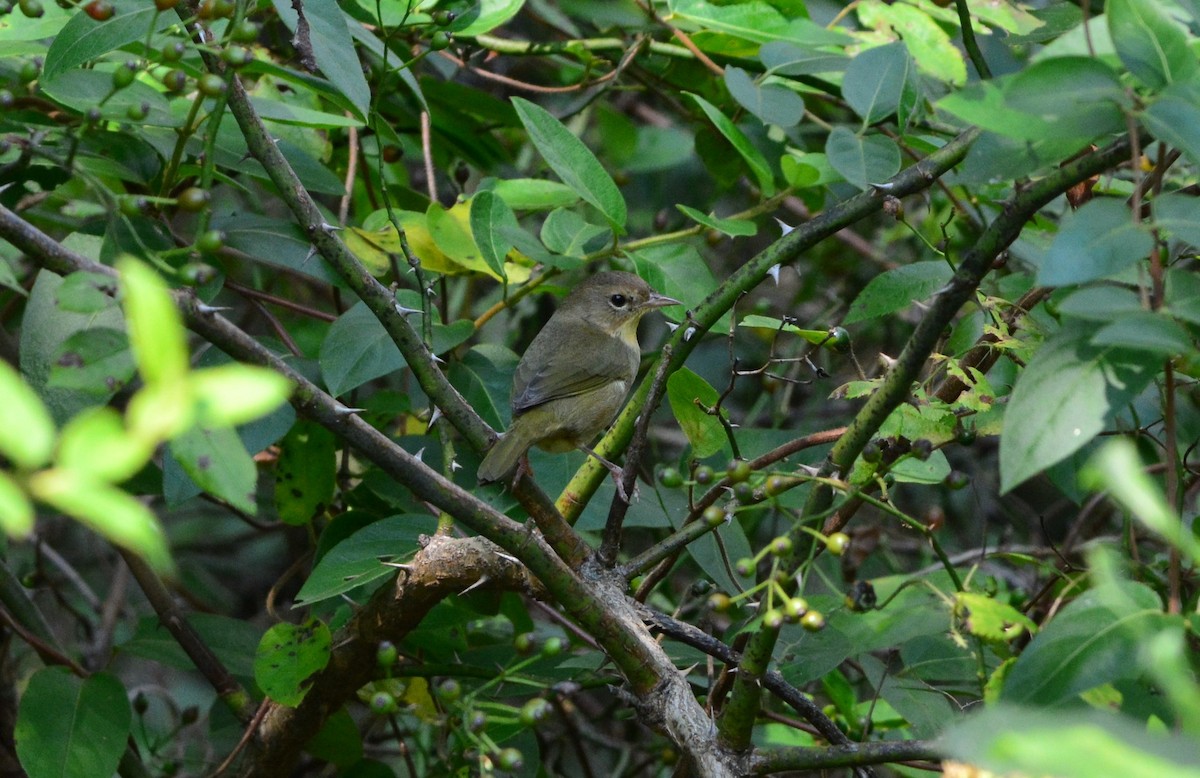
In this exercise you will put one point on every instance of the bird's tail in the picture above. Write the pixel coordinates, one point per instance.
(501, 460)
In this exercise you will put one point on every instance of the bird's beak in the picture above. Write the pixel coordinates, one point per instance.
(657, 300)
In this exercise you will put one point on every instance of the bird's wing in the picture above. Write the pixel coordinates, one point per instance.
(572, 371)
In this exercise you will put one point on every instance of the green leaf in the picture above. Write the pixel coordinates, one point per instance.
(990, 619)
(1075, 96)
(1092, 641)
(788, 60)
(679, 271)
(332, 48)
(734, 228)
(357, 349)
(1150, 331)
(571, 160)
(287, 656)
(305, 473)
(771, 103)
(156, 331)
(96, 360)
(1118, 469)
(86, 292)
(1098, 240)
(897, 289)
(232, 394)
(1179, 216)
(119, 517)
(532, 194)
(1149, 44)
(217, 461)
(491, 216)
(566, 232)
(82, 38)
(1100, 303)
(874, 81)
(929, 44)
(1174, 119)
(70, 727)
(96, 445)
(16, 511)
(358, 559)
(704, 431)
(862, 161)
(1066, 395)
(751, 155)
(1012, 740)
(29, 442)
(485, 16)
(484, 377)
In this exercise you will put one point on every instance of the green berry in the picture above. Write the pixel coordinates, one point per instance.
(173, 51)
(475, 721)
(794, 609)
(872, 452)
(383, 703)
(967, 434)
(837, 543)
(738, 471)
(211, 85)
(535, 711)
(744, 567)
(701, 587)
(175, 80)
(839, 339)
(743, 492)
(704, 475)
(773, 619)
(246, 31)
(30, 70)
(449, 690)
(552, 647)
(193, 199)
(439, 40)
(210, 241)
(165, 5)
(719, 602)
(386, 654)
(32, 8)
(123, 76)
(510, 759)
(237, 56)
(7, 98)
(133, 206)
(525, 643)
(670, 478)
(138, 112)
(921, 449)
(781, 545)
(813, 621)
(714, 516)
(197, 273)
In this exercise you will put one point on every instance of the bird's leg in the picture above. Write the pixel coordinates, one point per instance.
(617, 473)
(523, 469)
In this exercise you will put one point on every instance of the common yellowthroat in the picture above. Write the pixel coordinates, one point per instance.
(576, 373)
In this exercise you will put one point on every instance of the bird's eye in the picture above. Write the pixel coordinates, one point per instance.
(618, 300)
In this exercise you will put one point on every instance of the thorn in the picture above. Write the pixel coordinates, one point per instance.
(508, 557)
(209, 310)
(327, 227)
(397, 565)
(342, 410)
(420, 455)
(454, 465)
(482, 580)
(887, 186)
(433, 417)
(814, 471)
(312, 252)
(437, 360)
(774, 273)
(404, 311)
(688, 333)
(672, 326)
(784, 227)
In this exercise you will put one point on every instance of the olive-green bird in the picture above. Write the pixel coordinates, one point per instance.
(575, 375)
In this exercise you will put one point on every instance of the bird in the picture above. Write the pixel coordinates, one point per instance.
(575, 375)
